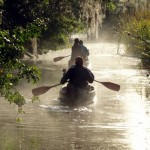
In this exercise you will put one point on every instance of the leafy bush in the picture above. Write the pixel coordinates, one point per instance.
(135, 34)
(12, 69)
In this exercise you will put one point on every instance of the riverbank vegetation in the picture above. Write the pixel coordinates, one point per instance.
(134, 30)
(61, 18)
(12, 69)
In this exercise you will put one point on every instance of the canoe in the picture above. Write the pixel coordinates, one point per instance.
(78, 98)
(86, 63)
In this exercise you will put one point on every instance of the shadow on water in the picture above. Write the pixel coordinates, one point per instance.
(118, 121)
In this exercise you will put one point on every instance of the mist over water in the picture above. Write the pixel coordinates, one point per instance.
(118, 120)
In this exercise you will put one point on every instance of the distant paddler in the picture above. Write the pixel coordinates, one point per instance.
(85, 51)
(78, 49)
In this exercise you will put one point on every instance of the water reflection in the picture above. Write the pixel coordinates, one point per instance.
(138, 122)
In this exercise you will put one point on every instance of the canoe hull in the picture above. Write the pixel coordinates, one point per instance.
(80, 98)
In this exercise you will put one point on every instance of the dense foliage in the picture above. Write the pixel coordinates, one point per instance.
(132, 23)
(60, 17)
(135, 34)
(62, 20)
(12, 69)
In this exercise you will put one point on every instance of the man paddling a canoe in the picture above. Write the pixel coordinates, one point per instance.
(76, 50)
(77, 76)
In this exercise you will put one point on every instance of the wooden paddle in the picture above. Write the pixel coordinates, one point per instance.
(60, 58)
(110, 85)
(42, 89)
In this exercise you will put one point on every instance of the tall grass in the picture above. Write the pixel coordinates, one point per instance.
(134, 31)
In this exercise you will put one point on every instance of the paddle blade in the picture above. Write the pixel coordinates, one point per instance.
(40, 90)
(110, 85)
(58, 58)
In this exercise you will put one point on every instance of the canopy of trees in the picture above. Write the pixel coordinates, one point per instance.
(62, 18)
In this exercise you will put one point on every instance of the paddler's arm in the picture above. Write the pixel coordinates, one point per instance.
(65, 77)
(90, 76)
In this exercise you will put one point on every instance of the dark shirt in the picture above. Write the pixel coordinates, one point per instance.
(76, 51)
(78, 76)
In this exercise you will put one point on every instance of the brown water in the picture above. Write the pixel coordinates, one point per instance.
(118, 120)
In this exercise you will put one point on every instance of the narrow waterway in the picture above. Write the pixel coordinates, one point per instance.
(118, 120)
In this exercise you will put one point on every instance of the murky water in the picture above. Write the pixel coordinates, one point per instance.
(118, 120)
